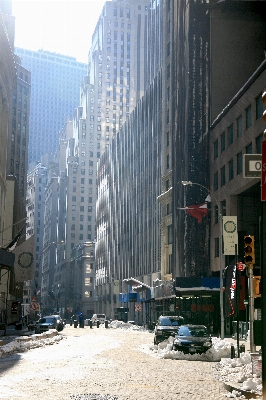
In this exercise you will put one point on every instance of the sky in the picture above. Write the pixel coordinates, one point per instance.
(60, 26)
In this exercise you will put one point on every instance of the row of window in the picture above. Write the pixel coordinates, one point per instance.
(81, 227)
(122, 25)
(232, 169)
(236, 128)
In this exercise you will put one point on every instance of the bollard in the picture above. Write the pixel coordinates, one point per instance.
(233, 354)
(106, 324)
(81, 324)
(242, 348)
(90, 324)
(71, 322)
(75, 323)
(98, 324)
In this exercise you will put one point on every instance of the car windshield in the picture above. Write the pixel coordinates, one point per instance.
(193, 331)
(168, 321)
(46, 320)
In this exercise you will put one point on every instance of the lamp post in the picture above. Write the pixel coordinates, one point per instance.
(189, 183)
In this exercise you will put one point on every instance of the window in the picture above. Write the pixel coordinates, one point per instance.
(259, 106)
(73, 198)
(222, 142)
(223, 207)
(239, 126)
(223, 180)
(167, 161)
(216, 247)
(215, 181)
(170, 234)
(216, 214)
(249, 148)
(259, 144)
(230, 134)
(215, 149)
(231, 169)
(248, 116)
(239, 163)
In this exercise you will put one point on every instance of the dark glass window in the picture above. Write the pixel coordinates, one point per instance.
(248, 116)
(230, 134)
(239, 126)
(216, 214)
(239, 163)
(170, 234)
(215, 181)
(259, 144)
(223, 180)
(223, 207)
(222, 142)
(231, 169)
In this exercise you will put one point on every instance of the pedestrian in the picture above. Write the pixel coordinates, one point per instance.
(80, 319)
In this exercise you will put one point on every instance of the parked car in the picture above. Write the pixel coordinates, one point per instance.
(60, 323)
(165, 326)
(45, 323)
(192, 339)
(98, 317)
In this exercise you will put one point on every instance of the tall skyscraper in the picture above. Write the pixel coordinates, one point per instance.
(55, 87)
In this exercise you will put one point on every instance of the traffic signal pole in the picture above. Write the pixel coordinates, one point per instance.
(251, 308)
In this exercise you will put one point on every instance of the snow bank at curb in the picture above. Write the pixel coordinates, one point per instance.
(227, 370)
(23, 343)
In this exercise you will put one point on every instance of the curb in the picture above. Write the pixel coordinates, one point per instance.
(236, 386)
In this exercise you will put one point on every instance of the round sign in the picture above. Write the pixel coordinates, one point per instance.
(229, 226)
(25, 259)
(34, 306)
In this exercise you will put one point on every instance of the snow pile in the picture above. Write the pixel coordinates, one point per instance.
(23, 343)
(227, 370)
(220, 349)
(239, 370)
(125, 325)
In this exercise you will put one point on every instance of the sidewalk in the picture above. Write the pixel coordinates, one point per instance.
(11, 333)
(230, 386)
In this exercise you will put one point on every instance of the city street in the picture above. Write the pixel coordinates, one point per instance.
(111, 362)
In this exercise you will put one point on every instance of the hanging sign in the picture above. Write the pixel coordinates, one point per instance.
(230, 237)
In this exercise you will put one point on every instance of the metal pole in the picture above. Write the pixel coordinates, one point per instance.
(221, 275)
(251, 309)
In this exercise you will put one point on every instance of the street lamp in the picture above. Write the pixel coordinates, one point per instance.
(189, 183)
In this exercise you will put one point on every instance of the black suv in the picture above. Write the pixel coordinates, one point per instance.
(166, 326)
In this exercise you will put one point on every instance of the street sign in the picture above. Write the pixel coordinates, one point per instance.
(252, 165)
(263, 172)
(138, 307)
(35, 306)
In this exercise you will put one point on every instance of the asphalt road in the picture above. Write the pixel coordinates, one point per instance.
(107, 364)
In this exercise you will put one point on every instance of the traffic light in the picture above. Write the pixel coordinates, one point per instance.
(249, 251)
(256, 286)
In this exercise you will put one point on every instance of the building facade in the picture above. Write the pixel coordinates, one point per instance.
(55, 82)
